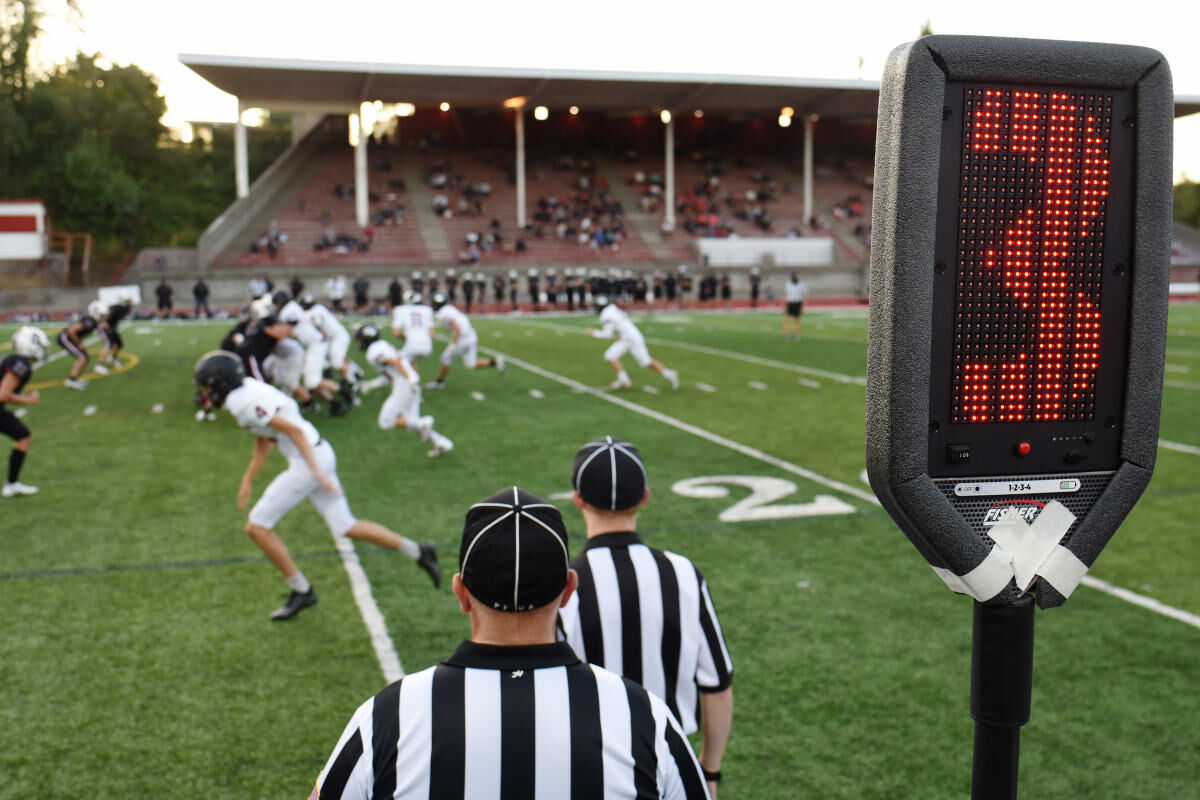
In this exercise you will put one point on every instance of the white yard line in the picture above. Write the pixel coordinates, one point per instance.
(686, 427)
(360, 586)
(1143, 601)
(1095, 583)
(1182, 448)
(699, 348)
(1182, 385)
(1184, 352)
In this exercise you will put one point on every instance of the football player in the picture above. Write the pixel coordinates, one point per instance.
(629, 340)
(274, 419)
(110, 319)
(29, 345)
(337, 338)
(402, 409)
(413, 322)
(71, 339)
(312, 361)
(464, 342)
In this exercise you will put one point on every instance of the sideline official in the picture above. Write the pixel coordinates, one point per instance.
(642, 612)
(513, 713)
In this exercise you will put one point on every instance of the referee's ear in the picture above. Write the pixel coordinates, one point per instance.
(460, 591)
(572, 585)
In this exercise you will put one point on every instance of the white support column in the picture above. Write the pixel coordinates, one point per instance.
(361, 209)
(241, 162)
(669, 189)
(520, 117)
(808, 167)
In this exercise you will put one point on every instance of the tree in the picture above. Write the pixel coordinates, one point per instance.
(1187, 203)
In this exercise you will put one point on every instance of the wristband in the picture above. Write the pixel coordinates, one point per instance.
(711, 777)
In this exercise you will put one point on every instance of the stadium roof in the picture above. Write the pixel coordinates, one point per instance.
(298, 84)
(337, 86)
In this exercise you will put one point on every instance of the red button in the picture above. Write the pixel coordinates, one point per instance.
(1024, 449)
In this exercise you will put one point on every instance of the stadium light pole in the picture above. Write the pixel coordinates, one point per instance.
(361, 210)
(519, 111)
(808, 167)
(241, 167)
(669, 188)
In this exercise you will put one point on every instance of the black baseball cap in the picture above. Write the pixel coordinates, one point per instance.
(609, 474)
(514, 554)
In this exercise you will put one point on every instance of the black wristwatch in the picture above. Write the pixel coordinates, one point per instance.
(711, 777)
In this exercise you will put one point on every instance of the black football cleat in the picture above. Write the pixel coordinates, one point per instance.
(296, 602)
(337, 408)
(429, 562)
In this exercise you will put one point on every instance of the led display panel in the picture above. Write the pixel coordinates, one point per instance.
(1032, 211)
(1028, 350)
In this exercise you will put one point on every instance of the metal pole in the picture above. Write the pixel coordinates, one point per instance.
(520, 168)
(669, 192)
(241, 169)
(1001, 694)
(808, 167)
(361, 209)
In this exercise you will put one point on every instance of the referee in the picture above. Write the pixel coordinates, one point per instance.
(795, 290)
(642, 612)
(513, 713)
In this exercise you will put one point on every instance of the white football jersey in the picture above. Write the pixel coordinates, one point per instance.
(254, 404)
(305, 332)
(380, 355)
(617, 321)
(413, 322)
(447, 314)
(324, 321)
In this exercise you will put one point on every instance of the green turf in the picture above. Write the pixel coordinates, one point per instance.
(138, 660)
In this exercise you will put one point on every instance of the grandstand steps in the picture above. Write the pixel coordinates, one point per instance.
(640, 221)
(421, 210)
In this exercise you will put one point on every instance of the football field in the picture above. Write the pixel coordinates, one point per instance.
(138, 660)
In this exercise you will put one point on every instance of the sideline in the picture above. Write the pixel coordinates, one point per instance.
(1103, 586)
(360, 587)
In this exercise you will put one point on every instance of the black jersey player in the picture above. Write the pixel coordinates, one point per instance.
(29, 345)
(71, 339)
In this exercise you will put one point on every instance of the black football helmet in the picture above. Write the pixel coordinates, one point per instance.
(306, 301)
(220, 372)
(366, 335)
(280, 299)
(601, 301)
(437, 301)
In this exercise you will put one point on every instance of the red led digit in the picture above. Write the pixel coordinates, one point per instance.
(1033, 196)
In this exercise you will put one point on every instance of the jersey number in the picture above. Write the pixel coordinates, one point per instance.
(763, 492)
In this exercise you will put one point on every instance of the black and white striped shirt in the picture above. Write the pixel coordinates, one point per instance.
(647, 614)
(512, 723)
(795, 291)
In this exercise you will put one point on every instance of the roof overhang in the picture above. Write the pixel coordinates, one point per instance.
(283, 84)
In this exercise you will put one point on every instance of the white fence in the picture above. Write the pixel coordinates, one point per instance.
(766, 252)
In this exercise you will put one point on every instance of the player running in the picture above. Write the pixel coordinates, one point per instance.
(629, 340)
(274, 418)
(402, 409)
(464, 342)
(29, 345)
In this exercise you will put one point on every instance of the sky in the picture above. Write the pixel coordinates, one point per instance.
(810, 40)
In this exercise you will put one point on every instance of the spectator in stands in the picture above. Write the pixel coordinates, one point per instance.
(335, 288)
(200, 295)
(361, 290)
(164, 292)
(441, 204)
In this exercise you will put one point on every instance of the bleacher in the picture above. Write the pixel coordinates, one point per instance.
(300, 220)
(421, 237)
